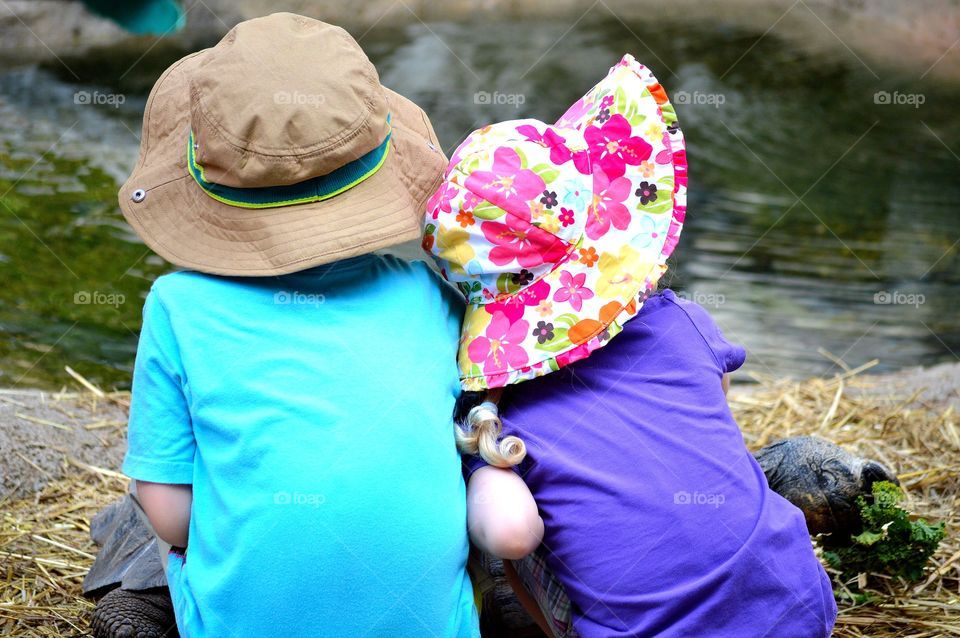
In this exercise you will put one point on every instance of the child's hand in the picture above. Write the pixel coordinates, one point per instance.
(502, 515)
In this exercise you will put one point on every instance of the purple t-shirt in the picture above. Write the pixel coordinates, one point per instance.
(659, 522)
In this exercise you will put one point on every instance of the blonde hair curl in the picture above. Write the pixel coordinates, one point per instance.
(481, 435)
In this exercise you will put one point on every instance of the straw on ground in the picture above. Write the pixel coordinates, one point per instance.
(45, 547)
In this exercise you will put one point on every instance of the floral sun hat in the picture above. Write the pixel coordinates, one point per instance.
(556, 234)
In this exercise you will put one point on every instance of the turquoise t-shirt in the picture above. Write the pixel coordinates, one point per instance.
(312, 415)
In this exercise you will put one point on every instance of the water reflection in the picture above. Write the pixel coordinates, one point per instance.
(808, 199)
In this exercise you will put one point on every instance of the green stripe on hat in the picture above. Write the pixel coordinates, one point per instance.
(314, 189)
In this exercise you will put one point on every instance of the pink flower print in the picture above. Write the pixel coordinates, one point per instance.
(513, 306)
(665, 156)
(575, 112)
(456, 158)
(559, 153)
(507, 185)
(677, 158)
(611, 148)
(566, 216)
(607, 206)
(470, 201)
(680, 167)
(440, 200)
(572, 289)
(517, 240)
(499, 347)
(673, 233)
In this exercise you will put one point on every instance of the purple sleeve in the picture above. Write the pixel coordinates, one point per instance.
(471, 463)
(730, 356)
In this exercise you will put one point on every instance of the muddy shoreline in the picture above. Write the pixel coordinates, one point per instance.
(919, 38)
(43, 434)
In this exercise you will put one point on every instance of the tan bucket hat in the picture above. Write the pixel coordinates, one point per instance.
(276, 150)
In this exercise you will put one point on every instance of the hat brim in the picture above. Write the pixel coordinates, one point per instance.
(180, 222)
(625, 266)
(583, 334)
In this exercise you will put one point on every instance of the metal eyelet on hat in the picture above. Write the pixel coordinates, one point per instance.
(138, 195)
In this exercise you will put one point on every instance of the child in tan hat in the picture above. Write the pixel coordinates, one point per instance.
(290, 433)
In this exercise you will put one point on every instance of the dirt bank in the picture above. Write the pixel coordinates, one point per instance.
(43, 433)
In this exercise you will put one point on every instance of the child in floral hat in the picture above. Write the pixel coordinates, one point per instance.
(620, 464)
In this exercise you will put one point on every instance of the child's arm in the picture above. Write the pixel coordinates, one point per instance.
(168, 508)
(501, 514)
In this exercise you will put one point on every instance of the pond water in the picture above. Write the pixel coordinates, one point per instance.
(822, 215)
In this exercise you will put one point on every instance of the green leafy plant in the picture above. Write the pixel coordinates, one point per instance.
(890, 543)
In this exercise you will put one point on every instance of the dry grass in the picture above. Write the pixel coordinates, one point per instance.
(921, 442)
(45, 548)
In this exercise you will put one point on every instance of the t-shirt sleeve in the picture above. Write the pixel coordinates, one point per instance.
(730, 356)
(160, 441)
(471, 463)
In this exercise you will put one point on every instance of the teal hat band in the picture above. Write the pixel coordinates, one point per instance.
(314, 189)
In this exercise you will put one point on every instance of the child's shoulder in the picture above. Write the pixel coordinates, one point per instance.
(670, 301)
(411, 267)
(187, 293)
(730, 356)
(185, 282)
(421, 272)
(665, 309)
(668, 306)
